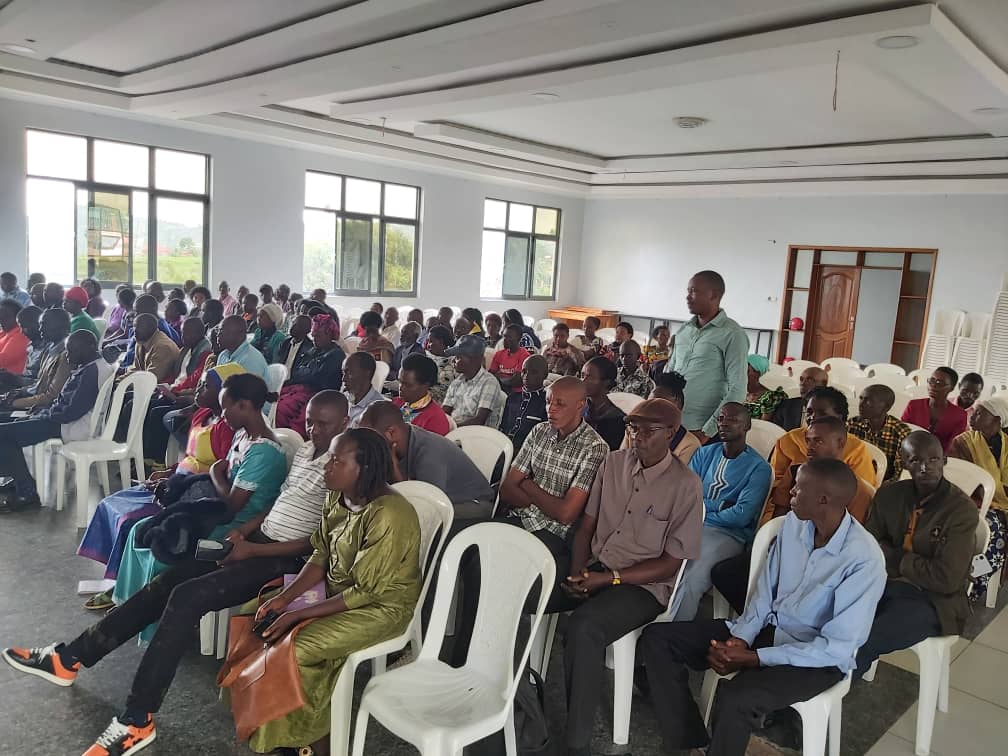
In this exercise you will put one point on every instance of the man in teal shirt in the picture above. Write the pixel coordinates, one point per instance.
(710, 352)
(236, 348)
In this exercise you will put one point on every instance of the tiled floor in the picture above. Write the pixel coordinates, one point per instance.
(38, 579)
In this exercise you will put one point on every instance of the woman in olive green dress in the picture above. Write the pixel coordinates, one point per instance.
(367, 551)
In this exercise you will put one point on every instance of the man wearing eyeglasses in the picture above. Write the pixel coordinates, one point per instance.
(642, 519)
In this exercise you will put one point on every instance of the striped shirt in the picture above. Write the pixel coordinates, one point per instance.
(298, 509)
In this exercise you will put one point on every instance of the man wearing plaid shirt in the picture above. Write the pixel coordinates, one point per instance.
(547, 487)
(475, 397)
(875, 425)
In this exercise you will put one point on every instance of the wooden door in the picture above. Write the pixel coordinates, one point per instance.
(836, 296)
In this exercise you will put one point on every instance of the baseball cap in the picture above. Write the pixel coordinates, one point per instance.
(470, 345)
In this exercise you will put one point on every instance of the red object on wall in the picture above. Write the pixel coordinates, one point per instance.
(787, 360)
(796, 324)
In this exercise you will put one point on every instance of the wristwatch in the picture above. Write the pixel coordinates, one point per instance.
(616, 577)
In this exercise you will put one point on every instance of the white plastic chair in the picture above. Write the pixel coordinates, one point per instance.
(763, 436)
(430, 312)
(102, 325)
(348, 327)
(435, 512)
(840, 364)
(773, 381)
(625, 401)
(919, 376)
(902, 400)
(529, 320)
(880, 462)
(821, 714)
(380, 375)
(968, 477)
(608, 335)
(545, 325)
(884, 368)
(440, 709)
(291, 441)
(355, 312)
(488, 354)
(105, 448)
(276, 374)
(797, 367)
(350, 344)
(485, 447)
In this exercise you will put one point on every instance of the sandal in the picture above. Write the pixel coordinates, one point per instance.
(100, 602)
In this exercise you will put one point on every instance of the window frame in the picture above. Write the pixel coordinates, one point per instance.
(91, 186)
(531, 237)
(342, 215)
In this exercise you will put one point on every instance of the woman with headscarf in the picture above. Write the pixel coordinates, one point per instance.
(761, 401)
(268, 336)
(986, 446)
(321, 368)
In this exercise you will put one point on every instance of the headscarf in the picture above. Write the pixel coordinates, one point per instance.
(216, 375)
(274, 312)
(759, 363)
(327, 324)
(997, 407)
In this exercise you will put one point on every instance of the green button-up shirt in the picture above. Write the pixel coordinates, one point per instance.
(712, 358)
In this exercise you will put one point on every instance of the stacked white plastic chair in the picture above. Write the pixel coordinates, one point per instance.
(940, 340)
(970, 347)
(995, 365)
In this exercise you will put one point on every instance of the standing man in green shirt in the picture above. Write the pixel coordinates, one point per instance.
(711, 352)
(74, 302)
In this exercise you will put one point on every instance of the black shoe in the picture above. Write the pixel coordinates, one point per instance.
(15, 503)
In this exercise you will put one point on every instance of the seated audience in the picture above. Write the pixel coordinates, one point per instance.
(250, 311)
(390, 326)
(29, 321)
(229, 303)
(631, 378)
(507, 362)
(439, 340)
(462, 327)
(529, 341)
(735, 482)
(608, 420)
(373, 343)
(318, 368)
(670, 386)
(155, 352)
(809, 611)
(409, 344)
(156, 290)
(235, 347)
(265, 547)
(265, 294)
(624, 332)
(416, 316)
(176, 294)
(9, 289)
(875, 425)
(296, 344)
(658, 351)
(943, 418)
(267, 336)
(445, 317)
(212, 315)
(494, 330)
(475, 396)
(53, 295)
(590, 344)
(37, 294)
(96, 305)
(68, 418)
(120, 322)
(175, 312)
(198, 295)
(927, 530)
(986, 446)
(13, 341)
(562, 357)
(547, 487)
(282, 296)
(358, 384)
(526, 409)
(53, 371)
(791, 412)
(146, 304)
(761, 401)
(74, 302)
(641, 521)
(318, 295)
(475, 318)
(970, 387)
(416, 377)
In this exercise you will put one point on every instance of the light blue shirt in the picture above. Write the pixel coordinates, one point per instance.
(19, 295)
(713, 360)
(248, 357)
(356, 411)
(734, 490)
(821, 601)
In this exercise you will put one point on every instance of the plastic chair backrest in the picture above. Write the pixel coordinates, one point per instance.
(512, 562)
(884, 368)
(880, 462)
(291, 441)
(898, 383)
(919, 376)
(350, 344)
(763, 436)
(430, 312)
(380, 374)
(355, 312)
(102, 325)
(545, 325)
(774, 381)
(348, 327)
(797, 367)
(143, 384)
(840, 364)
(902, 400)
(100, 411)
(435, 513)
(276, 374)
(761, 549)
(488, 354)
(529, 320)
(608, 335)
(484, 446)
(625, 401)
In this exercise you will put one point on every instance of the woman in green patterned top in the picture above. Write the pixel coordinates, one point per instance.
(367, 552)
(761, 401)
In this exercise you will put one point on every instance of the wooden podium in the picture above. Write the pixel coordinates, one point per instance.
(574, 316)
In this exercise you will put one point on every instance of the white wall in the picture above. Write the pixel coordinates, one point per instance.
(257, 200)
(637, 254)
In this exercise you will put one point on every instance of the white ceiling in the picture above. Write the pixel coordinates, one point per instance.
(455, 82)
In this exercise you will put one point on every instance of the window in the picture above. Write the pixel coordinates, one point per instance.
(520, 245)
(118, 212)
(360, 236)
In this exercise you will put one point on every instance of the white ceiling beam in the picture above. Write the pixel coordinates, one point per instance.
(839, 187)
(482, 140)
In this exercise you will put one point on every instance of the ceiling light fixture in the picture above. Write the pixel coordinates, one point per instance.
(546, 95)
(897, 42)
(990, 111)
(691, 122)
(17, 49)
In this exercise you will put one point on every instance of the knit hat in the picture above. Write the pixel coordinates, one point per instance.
(274, 312)
(78, 295)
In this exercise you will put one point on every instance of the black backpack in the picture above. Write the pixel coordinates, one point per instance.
(531, 729)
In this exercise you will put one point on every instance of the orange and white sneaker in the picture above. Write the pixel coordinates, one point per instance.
(122, 739)
(42, 662)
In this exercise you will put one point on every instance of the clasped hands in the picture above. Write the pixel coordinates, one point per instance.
(731, 655)
(586, 583)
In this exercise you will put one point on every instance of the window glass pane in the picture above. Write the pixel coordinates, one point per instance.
(401, 201)
(118, 163)
(51, 229)
(355, 258)
(57, 155)
(494, 214)
(492, 268)
(546, 221)
(515, 266)
(400, 243)
(180, 172)
(141, 260)
(520, 218)
(375, 245)
(363, 196)
(543, 265)
(179, 240)
(319, 249)
(103, 235)
(323, 190)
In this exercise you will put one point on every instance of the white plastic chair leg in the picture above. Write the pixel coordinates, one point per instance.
(869, 676)
(341, 710)
(993, 586)
(222, 619)
(207, 633)
(624, 653)
(60, 481)
(124, 472)
(82, 475)
(834, 728)
(39, 463)
(360, 731)
(943, 684)
(510, 739)
(103, 478)
(927, 699)
(815, 718)
(707, 692)
(722, 610)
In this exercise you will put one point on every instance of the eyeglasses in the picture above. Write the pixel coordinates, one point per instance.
(644, 430)
(932, 381)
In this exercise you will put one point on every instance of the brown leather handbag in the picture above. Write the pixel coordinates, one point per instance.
(264, 679)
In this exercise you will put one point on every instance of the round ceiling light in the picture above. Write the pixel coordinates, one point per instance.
(897, 42)
(17, 49)
(691, 122)
(546, 95)
(990, 111)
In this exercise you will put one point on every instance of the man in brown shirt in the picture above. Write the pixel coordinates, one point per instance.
(155, 352)
(927, 530)
(642, 520)
(53, 370)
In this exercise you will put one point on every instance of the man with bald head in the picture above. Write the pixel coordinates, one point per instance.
(926, 527)
(875, 425)
(547, 487)
(790, 413)
(807, 615)
(235, 347)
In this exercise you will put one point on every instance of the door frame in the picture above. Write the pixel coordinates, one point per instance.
(812, 321)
